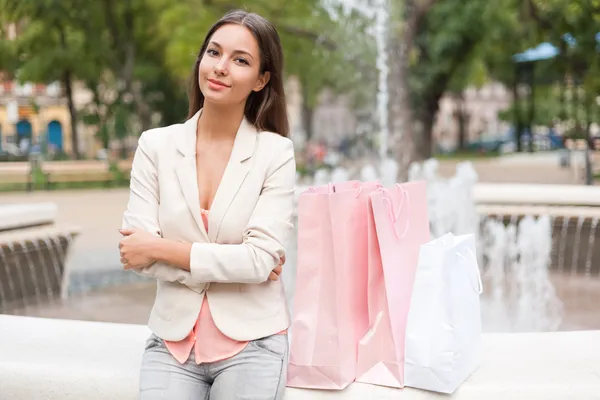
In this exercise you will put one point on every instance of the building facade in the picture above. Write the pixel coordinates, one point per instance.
(33, 114)
(481, 106)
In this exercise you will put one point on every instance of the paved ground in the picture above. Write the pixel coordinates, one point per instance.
(542, 168)
(97, 213)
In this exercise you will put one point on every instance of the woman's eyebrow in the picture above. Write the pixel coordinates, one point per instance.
(238, 51)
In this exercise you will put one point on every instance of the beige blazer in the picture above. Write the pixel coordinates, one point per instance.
(250, 220)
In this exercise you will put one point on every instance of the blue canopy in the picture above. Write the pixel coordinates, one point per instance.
(545, 51)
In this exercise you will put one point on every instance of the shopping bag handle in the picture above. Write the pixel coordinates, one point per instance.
(331, 188)
(479, 288)
(360, 188)
(393, 215)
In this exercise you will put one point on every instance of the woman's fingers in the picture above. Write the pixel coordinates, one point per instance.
(274, 275)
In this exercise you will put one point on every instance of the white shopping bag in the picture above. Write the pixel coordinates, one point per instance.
(443, 333)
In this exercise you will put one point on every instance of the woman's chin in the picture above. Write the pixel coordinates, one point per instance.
(218, 99)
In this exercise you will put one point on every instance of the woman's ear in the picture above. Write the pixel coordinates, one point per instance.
(262, 81)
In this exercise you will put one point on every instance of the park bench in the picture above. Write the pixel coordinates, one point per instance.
(125, 167)
(76, 171)
(16, 173)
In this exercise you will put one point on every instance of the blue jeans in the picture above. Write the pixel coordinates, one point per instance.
(256, 373)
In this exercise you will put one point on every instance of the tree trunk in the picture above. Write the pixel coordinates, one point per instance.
(68, 84)
(67, 81)
(518, 121)
(462, 119)
(143, 108)
(423, 129)
(409, 142)
(400, 107)
(307, 120)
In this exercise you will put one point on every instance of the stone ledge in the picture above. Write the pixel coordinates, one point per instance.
(61, 359)
(14, 216)
(528, 194)
(536, 194)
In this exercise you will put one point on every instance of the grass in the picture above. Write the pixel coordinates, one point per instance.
(467, 155)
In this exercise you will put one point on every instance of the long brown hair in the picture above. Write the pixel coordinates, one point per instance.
(265, 109)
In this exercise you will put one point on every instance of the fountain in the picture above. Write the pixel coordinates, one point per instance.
(33, 251)
(528, 249)
(514, 254)
(521, 294)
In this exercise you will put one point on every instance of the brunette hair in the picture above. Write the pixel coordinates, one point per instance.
(265, 109)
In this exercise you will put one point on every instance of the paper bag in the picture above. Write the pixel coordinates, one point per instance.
(398, 228)
(330, 304)
(443, 334)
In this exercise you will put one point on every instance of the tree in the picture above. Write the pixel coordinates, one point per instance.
(54, 45)
(446, 61)
(573, 28)
(406, 16)
(345, 66)
(440, 46)
(321, 51)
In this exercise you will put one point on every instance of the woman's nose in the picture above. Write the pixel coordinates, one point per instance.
(221, 68)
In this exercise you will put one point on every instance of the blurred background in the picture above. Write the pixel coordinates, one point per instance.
(374, 88)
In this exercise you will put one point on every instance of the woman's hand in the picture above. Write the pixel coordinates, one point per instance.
(136, 248)
(274, 275)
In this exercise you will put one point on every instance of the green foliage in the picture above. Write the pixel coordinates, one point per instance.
(547, 107)
(322, 50)
(447, 49)
(53, 38)
(135, 56)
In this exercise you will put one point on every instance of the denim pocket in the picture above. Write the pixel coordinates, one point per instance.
(276, 345)
(152, 342)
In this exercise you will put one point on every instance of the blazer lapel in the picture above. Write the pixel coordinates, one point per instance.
(185, 169)
(235, 173)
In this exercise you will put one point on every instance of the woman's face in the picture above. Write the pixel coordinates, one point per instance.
(230, 68)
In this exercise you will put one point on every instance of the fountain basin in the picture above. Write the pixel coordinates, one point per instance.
(32, 265)
(574, 233)
(33, 254)
(14, 216)
(536, 194)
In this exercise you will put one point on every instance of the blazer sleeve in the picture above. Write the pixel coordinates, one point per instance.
(263, 242)
(142, 212)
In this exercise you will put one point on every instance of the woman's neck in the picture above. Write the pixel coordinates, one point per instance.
(217, 123)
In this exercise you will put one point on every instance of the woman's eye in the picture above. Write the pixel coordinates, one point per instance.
(241, 61)
(212, 52)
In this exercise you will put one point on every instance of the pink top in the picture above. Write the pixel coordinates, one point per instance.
(214, 345)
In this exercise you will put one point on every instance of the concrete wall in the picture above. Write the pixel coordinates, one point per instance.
(59, 359)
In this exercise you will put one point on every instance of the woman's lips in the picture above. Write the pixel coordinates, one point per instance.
(216, 85)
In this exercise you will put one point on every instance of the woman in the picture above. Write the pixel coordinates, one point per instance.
(210, 207)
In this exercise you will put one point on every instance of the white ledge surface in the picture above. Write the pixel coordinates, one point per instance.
(19, 215)
(530, 194)
(63, 359)
(536, 194)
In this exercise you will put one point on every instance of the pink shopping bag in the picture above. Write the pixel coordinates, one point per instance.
(330, 305)
(397, 227)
